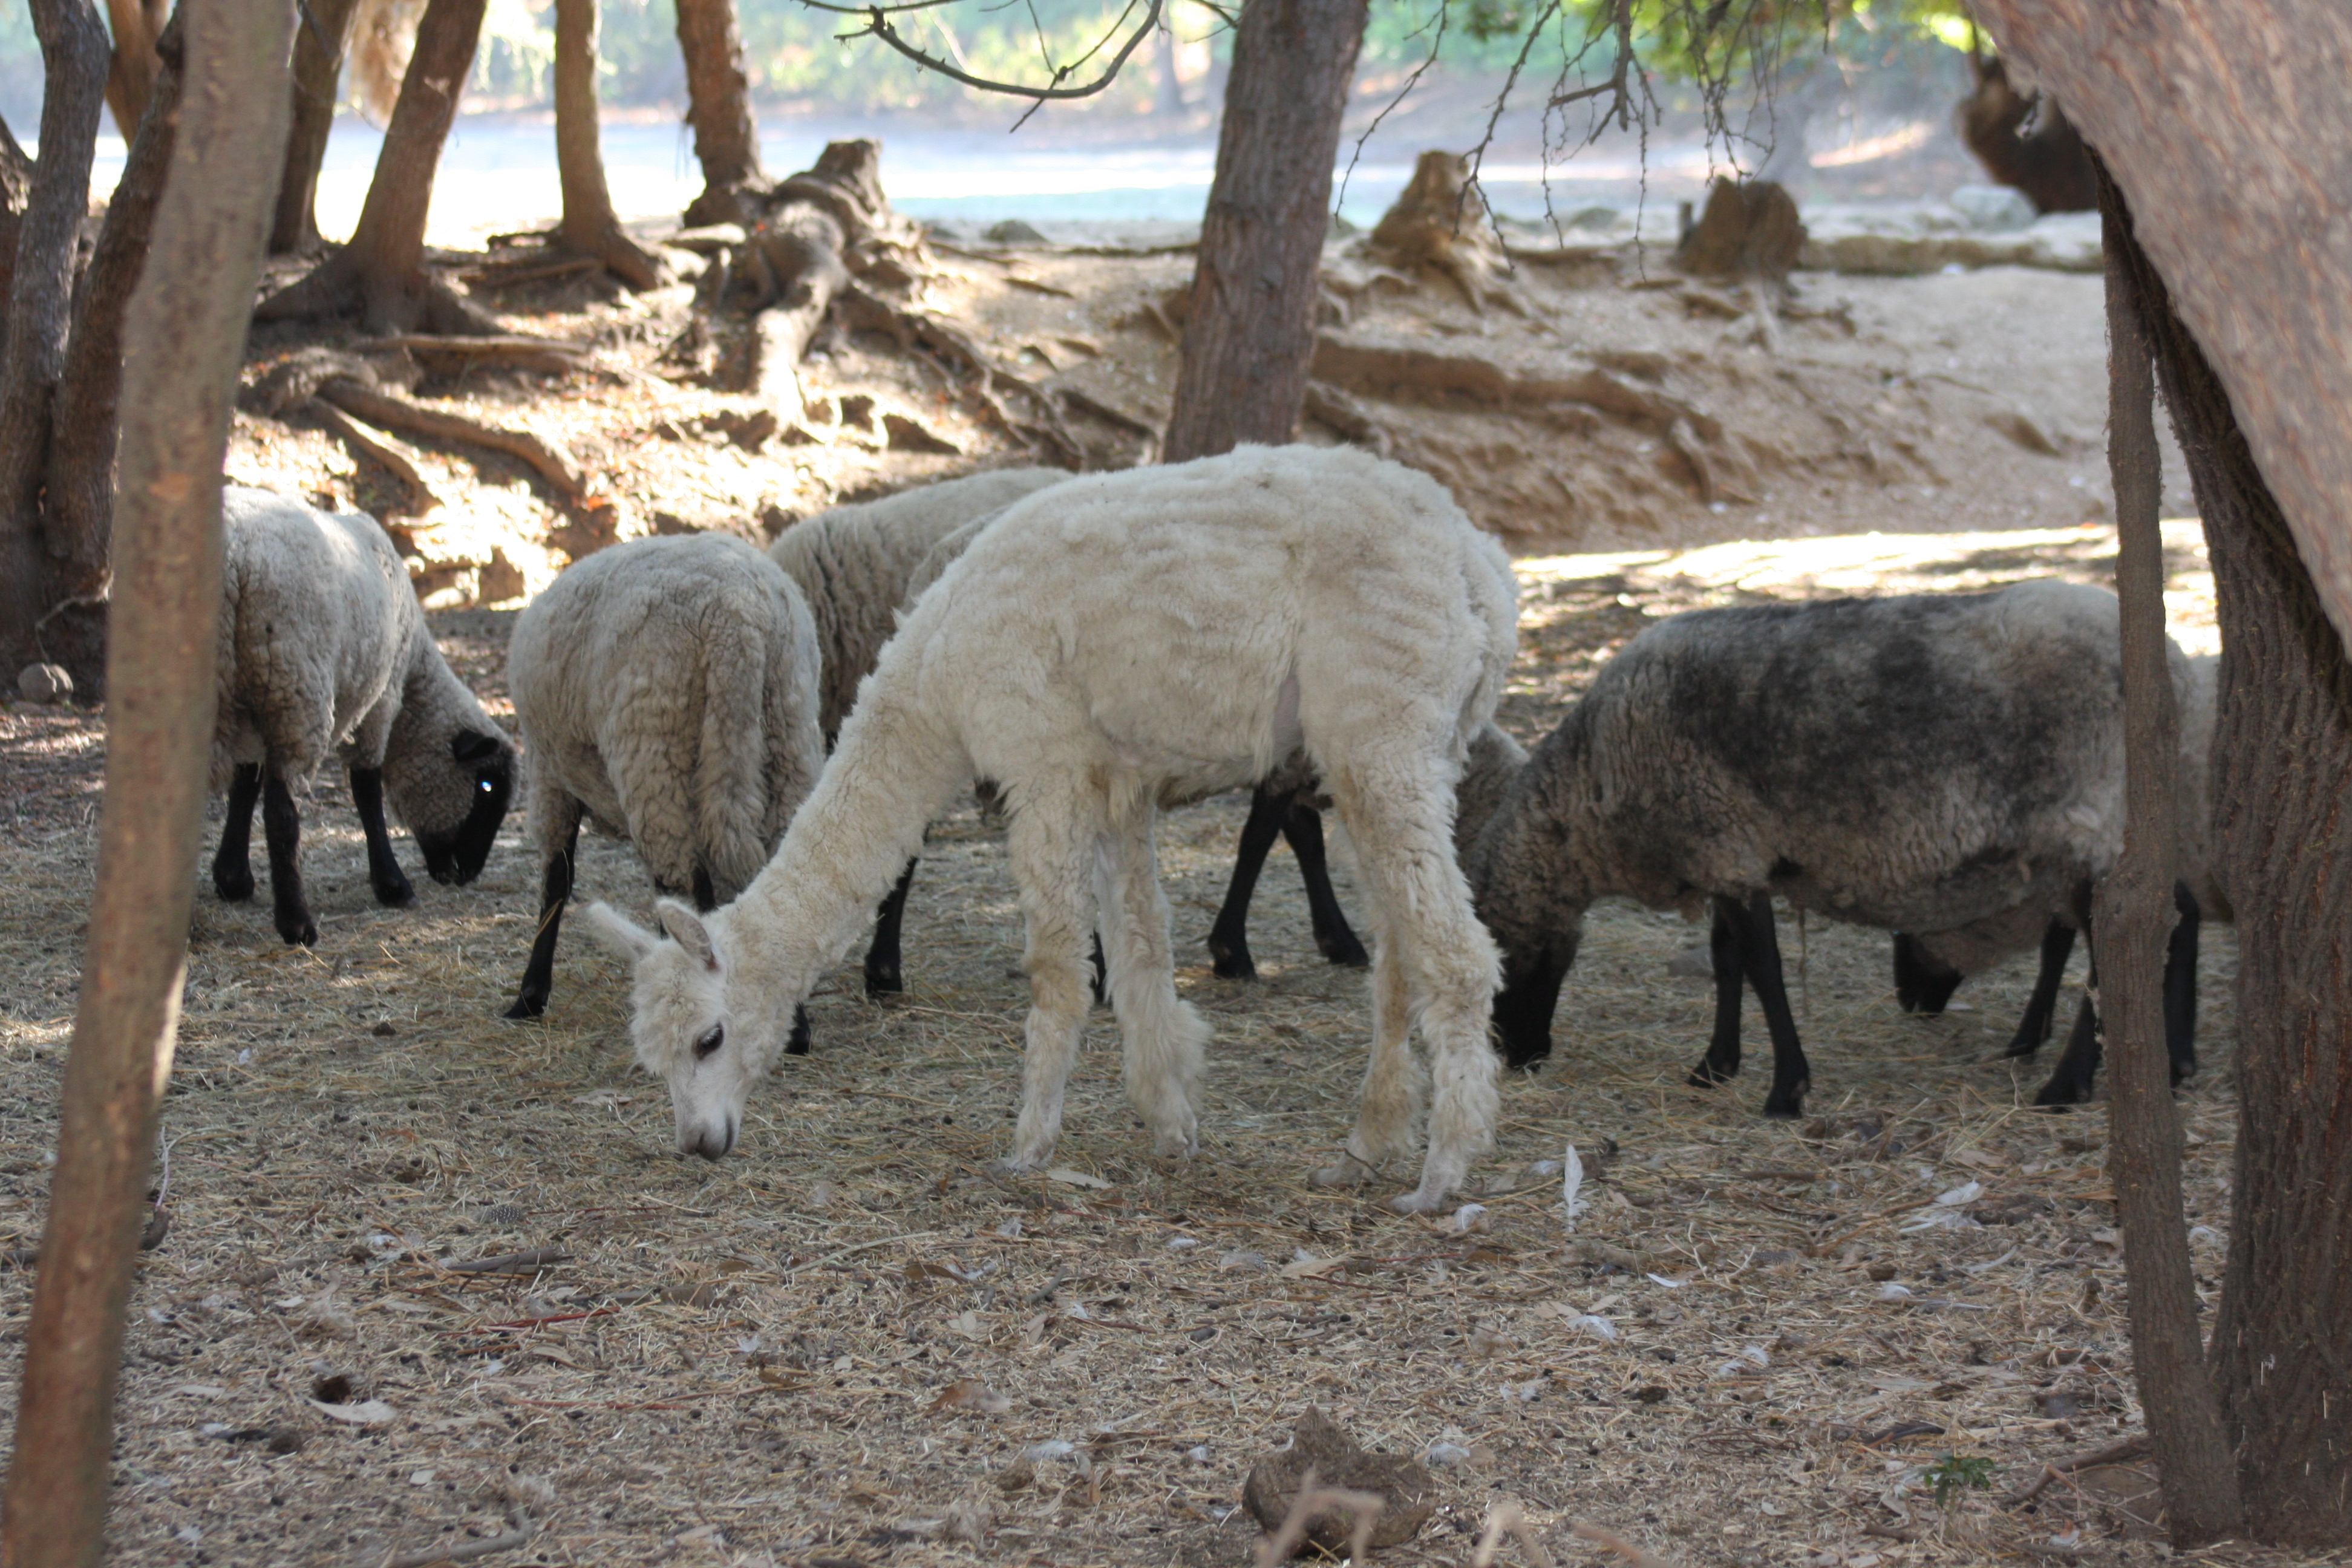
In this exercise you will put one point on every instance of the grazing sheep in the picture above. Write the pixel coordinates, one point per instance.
(666, 689)
(1925, 980)
(322, 647)
(855, 564)
(1945, 765)
(1166, 631)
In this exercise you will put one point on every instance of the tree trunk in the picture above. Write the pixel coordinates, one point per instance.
(381, 271)
(590, 227)
(132, 66)
(719, 110)
(185, 334)
(15, 190)
(2227, 157)
(74, 54)
(2135, 915)
(1250, 336)
(317, 70)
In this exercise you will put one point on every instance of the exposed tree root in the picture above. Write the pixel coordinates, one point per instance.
(373, 443)
(337, 287)
(549, 461)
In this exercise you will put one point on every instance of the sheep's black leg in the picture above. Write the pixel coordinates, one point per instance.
(233, 864)
(882, 977)
(390, 883)
(281, 830)
(1523, 1007)
(1790, 1074)
(1729, 951)
(2041, 1008)
(2071, 1083)
(1302, 829)
(705, 897)
(798, 1045)
(1101, 984)
(539, 975)
(1923, 982)
(1229, 953)
(2181, 985)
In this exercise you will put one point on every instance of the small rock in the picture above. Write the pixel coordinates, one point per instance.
(1408, 1489)
(1016, 1477)
(1995, 207)
(44, 683)
(1013, 231)
(383, 1031)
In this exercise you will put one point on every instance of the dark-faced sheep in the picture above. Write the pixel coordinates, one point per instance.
(323, 650)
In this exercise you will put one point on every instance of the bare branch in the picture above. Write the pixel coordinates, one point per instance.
(879, 25)
(1436, 43)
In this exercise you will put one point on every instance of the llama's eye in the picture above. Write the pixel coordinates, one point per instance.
(710, 1040)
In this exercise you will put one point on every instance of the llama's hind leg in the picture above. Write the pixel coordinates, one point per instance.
(1163, 1037)
(1052, 849)
(1395, 1087)
(1398, 817)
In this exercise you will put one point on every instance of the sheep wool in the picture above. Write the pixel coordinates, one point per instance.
(1118, 639)
(666, 690)
(322, 649)
(1945, 765)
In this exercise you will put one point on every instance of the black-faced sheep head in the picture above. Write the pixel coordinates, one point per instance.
(705, 1024)
(457, 829)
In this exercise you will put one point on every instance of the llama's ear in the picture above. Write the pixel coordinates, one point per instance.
(627, 938)
(684, 927)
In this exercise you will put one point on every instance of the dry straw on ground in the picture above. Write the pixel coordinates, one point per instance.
(758, 1361)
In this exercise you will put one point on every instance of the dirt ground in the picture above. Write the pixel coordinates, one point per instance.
(1763, 1343)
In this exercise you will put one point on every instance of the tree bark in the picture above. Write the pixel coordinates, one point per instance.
(2230, 150)
(381, 271)
(74, 53)
(2232, 143)
(16, 189)
(132, 66)
(185, 335)
(589, 226)
(2135, 915)
(318, 52)
(720, 108)
(1250, 336)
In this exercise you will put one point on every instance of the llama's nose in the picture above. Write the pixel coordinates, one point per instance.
(710, 1142)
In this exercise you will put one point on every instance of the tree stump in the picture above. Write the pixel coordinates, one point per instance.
(1441, 225)
(1749, 231)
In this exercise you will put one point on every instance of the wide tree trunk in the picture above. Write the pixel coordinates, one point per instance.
(1250, 335)
(317, 71)
(186, 337)
(131, 72)
(2232, 148)
(589, 226)
(2135, 920)
(720, 108)
(381, 271)
(74, 52)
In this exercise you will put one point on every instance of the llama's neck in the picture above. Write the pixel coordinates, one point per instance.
(891, 773)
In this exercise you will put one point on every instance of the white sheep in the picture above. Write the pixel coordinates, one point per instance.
(1167, 630)
(857, 565)
(666, 689)
(1945, 765)
(322, 649)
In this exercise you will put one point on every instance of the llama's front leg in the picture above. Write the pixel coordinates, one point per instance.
(1051, 846)
(1395, 1087)
(1163, 1037)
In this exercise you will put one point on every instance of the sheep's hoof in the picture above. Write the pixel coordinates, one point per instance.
(1349, 1172)
(530, 1005)
(1706, 1075)
(2056, 1096)
(1784, 1109)
(297, 930)
(1179, 1145)
(235, 886)
(1011, 1165)
(1231, 961)
(1342, 948)
(1418, 1201)
(395, 895)
(883, 981)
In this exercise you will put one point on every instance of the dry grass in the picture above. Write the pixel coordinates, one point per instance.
(848, 1343)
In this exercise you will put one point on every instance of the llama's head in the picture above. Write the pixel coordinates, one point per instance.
(698, 1021)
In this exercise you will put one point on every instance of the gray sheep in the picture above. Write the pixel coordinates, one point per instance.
(666, 690)
(1945, 765)
(322, 649)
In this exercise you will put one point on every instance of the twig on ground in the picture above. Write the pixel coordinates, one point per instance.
(1507, 1518)
(2130, 1448)
(522, 1529)
(529, 1262)
(1610, 1540)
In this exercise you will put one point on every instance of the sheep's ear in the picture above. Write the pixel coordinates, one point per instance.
(627, 938)
(684, 927)
(471, 746)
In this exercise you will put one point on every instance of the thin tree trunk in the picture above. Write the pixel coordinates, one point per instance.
(720, 108)
(1250, 336)
(74, 54)
(80, 479)
(186, 336)
(132, 66)
(381, 271)
(2176, 1386)
(319, 44)
(16, 189)
(589, 226)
